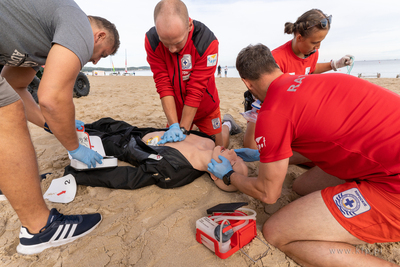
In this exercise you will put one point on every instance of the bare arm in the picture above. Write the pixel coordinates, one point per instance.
(56, 94)
(168, 104)
(267, 186)
(322, 67)
(19, 78)
(188, 114)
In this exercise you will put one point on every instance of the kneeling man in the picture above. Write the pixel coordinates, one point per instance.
(350, 129)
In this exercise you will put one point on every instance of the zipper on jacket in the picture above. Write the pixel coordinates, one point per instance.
(212, 98)
(179, 77)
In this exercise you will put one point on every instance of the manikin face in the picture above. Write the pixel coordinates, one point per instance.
(306, 45)
(237, 162)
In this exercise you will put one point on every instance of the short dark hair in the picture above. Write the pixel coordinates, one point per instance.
(110, 27)
(255, 60)
(303, 23)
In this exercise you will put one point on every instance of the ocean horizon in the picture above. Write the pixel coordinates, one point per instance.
(389, 68)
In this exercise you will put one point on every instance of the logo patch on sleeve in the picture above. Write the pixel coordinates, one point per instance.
(216, 123)
(212, 60)
(351, 203)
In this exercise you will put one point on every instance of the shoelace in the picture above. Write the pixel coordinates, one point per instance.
(62, 218)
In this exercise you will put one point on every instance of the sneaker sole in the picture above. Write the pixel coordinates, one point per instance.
(35, 249)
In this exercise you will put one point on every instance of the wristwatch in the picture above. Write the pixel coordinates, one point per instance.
(227, 177)
(184, 131)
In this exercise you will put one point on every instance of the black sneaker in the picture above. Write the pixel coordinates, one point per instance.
(60, 229)
(235, 129)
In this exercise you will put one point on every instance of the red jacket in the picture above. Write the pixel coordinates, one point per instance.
(189, 74)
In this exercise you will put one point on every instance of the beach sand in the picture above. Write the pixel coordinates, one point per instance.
(149, 226)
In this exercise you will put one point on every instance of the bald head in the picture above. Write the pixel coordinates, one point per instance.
(171, 8)
(172, 23)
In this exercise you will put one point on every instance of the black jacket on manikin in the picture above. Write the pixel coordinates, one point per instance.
(163, 166)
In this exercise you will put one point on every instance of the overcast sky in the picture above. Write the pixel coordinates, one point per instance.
(368, 30)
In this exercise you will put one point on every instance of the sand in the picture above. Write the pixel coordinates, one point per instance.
(149, 226)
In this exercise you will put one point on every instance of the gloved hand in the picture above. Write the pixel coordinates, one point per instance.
(248, 154)
(86, 155)
(174, 134)
(219, 169)
(79, 124)
(347, 60)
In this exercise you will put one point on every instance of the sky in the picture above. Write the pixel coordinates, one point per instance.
(366, 29)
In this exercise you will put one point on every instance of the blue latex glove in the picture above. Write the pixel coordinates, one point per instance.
(248, 154)
(219, 169)
(79, 124)
(86, 155)
(174, 134)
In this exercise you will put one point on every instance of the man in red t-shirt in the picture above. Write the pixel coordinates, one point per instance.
(350, 129)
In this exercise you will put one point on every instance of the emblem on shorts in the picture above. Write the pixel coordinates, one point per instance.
(216, 123)
(212, 60)
(351, 203)
(186, 62)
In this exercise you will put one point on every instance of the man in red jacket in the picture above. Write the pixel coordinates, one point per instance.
(183, 55)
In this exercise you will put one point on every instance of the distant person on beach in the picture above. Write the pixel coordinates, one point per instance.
(59, 34)
(352, 195)
(226, 71)
(183, 55)
(219, 71)
(300, 55)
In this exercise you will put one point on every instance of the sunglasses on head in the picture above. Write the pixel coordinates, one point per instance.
(323, 22)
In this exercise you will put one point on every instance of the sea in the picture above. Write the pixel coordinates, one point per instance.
(366, 68)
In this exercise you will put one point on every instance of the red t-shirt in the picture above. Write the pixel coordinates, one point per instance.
(347, 126)
(288, 62)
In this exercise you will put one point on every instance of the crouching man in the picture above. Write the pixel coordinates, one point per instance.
(350, 129)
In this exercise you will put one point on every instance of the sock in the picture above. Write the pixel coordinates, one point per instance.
(228, 123)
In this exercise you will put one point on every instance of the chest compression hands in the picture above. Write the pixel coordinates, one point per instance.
(174, 134)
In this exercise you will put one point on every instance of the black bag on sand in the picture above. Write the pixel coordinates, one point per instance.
(163, 166)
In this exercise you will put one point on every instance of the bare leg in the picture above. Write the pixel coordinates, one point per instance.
(19, 176)
(307, 232)
(222, 139)
(248, 139)
(298, 158)
(313, 180)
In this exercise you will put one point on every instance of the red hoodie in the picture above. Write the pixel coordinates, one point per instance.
(189, 74)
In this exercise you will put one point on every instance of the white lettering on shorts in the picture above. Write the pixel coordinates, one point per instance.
(297, 81)
(351, 203)
(212, 60)
(216, 123)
